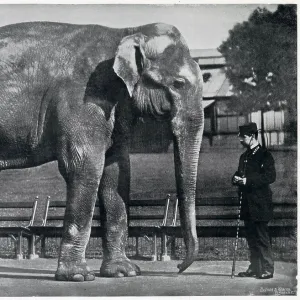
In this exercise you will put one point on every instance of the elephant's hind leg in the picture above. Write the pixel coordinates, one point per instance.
(113, 194)
(82, 173)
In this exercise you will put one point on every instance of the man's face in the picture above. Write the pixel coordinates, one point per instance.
(245, 140)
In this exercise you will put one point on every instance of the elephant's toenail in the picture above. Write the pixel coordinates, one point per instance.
(89, 277)
(78, 277)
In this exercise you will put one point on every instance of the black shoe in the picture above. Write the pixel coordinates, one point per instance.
(248, 273)
(265, 275)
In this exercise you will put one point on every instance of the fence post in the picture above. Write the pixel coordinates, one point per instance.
(164, 248)
(19, 246)
(154, 255)
(31, 247)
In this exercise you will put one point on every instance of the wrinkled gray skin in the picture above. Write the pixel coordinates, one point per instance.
(72, 93)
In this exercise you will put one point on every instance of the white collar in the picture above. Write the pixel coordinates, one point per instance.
(254, 145)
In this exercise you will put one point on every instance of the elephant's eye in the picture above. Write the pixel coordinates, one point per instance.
(179, 83)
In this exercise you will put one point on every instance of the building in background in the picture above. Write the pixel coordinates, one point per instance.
(221, 124)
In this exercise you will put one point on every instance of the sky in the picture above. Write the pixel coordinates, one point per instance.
(203, 26)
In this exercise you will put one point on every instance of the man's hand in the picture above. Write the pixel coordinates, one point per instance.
(239, 180)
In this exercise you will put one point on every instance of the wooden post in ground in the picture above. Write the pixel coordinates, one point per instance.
(19, 246)
(31, 247)
(164, 248)
(154, 252)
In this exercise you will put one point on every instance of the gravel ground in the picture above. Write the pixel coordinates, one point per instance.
(205, 278)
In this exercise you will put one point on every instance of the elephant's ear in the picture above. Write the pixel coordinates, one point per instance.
(130, 59)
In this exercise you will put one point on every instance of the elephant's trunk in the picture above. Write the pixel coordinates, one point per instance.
(187, 131)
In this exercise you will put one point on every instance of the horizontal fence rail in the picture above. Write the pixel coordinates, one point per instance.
(154, 226)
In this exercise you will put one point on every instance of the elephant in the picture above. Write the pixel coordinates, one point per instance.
(72, 94)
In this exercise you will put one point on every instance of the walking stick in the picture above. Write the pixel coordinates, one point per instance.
(237, 236)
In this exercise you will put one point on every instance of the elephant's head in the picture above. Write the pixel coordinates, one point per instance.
(165, 82)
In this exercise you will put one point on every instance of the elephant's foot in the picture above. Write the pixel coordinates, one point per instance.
(121, 267)
(74, 271)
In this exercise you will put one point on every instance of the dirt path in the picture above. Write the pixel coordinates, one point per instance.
(36, 278)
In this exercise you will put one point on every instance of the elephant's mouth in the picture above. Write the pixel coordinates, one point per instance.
(159, 111)
(152, 102)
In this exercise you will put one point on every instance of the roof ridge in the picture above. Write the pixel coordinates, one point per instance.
(205, 53)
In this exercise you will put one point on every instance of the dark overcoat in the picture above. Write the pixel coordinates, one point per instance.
(258, 166)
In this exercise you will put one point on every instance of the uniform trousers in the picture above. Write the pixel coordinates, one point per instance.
(259, 242)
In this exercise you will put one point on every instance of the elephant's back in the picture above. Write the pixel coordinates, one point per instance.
(52, 40)
(35, 55)
(62, 33)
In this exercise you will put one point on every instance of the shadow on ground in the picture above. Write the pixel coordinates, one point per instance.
(36, 278)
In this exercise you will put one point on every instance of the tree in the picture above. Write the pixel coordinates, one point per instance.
(261, 62)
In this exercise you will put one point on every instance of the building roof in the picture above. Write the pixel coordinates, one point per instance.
(211, 61)
(207, 103)
(218, 84)
(196, 53)
(207, 57)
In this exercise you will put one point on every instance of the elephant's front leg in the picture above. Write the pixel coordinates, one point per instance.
(83, 179)
(114, 195)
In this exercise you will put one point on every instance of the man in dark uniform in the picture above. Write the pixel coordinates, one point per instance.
(256, 171)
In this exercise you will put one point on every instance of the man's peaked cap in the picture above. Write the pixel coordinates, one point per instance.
(248, 129)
